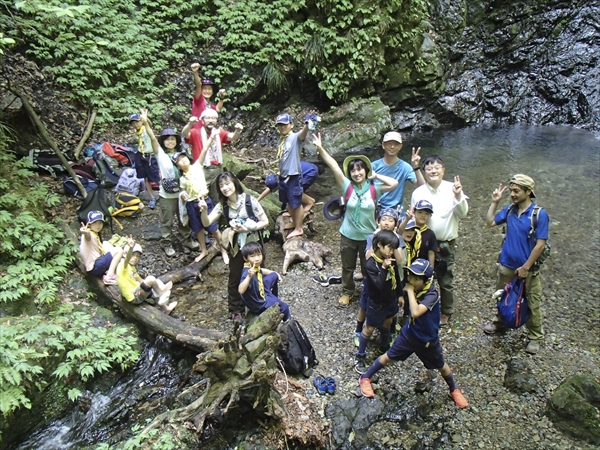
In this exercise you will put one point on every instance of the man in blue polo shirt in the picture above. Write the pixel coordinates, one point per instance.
(520, 251)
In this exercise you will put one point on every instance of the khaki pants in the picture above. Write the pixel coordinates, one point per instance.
(349, 250)
(447, 281)
(169, 208)
(535, 330)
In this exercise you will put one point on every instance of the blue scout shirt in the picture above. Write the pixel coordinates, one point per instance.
(518, 246)
(426, 327)
(401, 171)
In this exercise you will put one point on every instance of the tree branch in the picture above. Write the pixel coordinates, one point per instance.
(87, 132)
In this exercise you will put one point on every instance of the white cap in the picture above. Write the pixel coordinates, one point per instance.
(137, 248)
(392, 136)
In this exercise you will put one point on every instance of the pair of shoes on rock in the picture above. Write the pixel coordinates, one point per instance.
(444, 319)
(494, 327)
(533, 347)
(109, 280)
(344, 301)
(324, 385)
(191, 243)
(360, 366)
(326, 281)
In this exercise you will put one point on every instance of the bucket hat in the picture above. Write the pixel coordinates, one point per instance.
(335, 208)
(363, 158)
(165, 134)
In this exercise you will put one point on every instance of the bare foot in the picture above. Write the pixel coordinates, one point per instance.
(225, 256)
(295, 233)
(200, 257)
(164, 298)
(170, 308)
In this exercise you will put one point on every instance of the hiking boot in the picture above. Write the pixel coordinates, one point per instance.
(191, 243)
(459, 398)
(168, 248)
(344, 301)
(360, 366)
(444, 320)
(494, 327)
(533, 347)
(366, 388)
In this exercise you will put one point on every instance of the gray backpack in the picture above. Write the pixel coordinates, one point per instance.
(129, 182)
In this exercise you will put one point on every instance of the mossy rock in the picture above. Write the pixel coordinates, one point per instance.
(237, 166)
(574, 408)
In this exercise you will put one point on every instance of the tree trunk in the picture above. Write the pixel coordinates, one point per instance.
(86, 133)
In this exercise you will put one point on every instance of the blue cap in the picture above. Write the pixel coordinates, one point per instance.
(411, 224)
(272, 182)
(134, 116)
(284, 118)
(389, 212)
(95, 216)
(424, 204)
(175, 156)
(422, 267)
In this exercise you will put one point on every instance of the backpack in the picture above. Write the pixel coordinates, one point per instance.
(371, 189)
(129, 182)
(71, 189)
(106, 169)
(123, 155)
(46, 160)
(85, 169)
(512, 306)
(96, 200)
(126, 205)
(534, 221)
(296, 353)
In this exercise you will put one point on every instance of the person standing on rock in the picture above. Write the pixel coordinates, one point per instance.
(450, 205)
(523, 245)
(392, 166)
(198, 137)
(203, 92)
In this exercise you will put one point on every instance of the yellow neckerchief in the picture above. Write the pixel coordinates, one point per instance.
(280, 151)
(423, 228)
(420, 294)
(391, 273)
(141, 141)
(413, 251)
(259, 278)
(99, 242)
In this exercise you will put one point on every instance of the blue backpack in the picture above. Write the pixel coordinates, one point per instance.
(512, 307)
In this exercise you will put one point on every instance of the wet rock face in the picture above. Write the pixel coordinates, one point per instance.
(519, 61)
(575, 408)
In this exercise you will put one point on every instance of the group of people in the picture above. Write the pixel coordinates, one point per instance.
(399, 250)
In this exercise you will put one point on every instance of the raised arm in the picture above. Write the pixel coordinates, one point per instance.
(151, 135)
(331, 163)
(415, 161)
(220, 104)
(416, 309)
(186, 130)
(214, 133)
(496, 197)
(389, 183)
(195, 67)
(236, 134)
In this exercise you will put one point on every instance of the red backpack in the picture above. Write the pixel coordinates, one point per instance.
(118, 152)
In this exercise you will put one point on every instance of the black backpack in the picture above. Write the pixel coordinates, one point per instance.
(296, 354)
(96, 200)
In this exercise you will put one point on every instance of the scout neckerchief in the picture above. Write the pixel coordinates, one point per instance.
(99, 242)
(413, 250)
(214, 155)
(359, 194)
(259, 278)
(420, 294)
(280, 152)
(141, 141)
(391, 275)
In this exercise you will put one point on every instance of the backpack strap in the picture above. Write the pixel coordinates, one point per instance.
(371, 189)
(534, 220)
(349, 192)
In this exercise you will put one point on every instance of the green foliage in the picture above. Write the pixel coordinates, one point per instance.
(154, 439)
(118, 54)
(33, 252)
(27, 344)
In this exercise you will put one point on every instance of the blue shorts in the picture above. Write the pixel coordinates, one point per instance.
(290, 192)
(194, 216)
(101, 265)
(147, 167)
(310, 173)
(431, 354)
(378, 313)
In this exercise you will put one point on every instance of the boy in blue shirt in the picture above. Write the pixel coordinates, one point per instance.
(258, 287)
(420, 335)
(520, 251)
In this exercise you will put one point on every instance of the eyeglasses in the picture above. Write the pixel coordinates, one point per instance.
(433, 168)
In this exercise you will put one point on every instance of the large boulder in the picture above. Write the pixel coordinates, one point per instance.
(574, 408)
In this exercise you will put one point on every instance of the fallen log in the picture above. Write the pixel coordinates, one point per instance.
(198, 339)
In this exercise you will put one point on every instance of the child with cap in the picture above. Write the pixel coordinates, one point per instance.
(146, 166)
(310, 173)
(387, 220)
(290, 170)
(194, 189)
(136, 289)
(384, 293)
(420, 335)
(394, 167)
(357, 178)
(98, 258)
(258, 286)
(203, 92)
(164, 147)
(424, 242)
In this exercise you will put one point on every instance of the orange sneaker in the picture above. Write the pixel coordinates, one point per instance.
(459, 398)
(366, 388)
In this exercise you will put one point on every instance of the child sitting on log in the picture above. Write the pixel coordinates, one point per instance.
(136, 289)
(258, 287)
(99, 260)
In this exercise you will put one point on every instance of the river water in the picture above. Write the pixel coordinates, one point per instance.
(565, 164)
